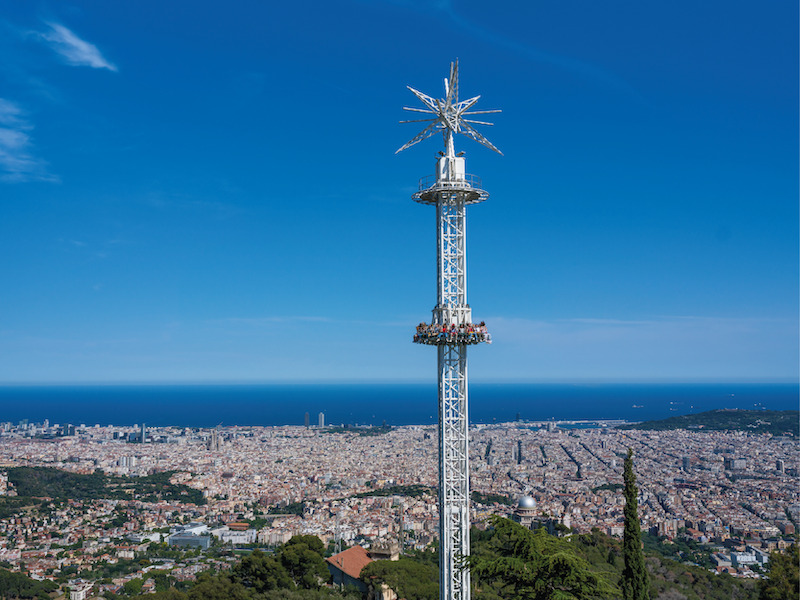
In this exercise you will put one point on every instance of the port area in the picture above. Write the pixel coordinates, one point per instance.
(436, 334)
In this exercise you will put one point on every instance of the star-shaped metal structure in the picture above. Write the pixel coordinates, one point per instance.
(450, 115)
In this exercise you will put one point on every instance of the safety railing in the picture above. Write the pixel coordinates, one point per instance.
(469, 180)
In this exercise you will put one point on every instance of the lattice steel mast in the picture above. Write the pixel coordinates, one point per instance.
(451, 329)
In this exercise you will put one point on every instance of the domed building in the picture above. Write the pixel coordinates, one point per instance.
(525, 512)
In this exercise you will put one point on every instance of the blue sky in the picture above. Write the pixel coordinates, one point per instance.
(197, 191)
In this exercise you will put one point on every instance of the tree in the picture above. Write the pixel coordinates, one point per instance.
(611, 558)
(217, 587)
(313, 542)
(261, 573)
(536, 566)
(634, 575)
(783, 580)
(409, 578)
(161, 579)
(133, 587)
(302, 557)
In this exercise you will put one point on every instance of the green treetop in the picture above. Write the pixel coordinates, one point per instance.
(783, 580)
(536, 566)
(634, 575)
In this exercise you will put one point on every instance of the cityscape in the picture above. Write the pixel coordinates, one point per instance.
(736, 493)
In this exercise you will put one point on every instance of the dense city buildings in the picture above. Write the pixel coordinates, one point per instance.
(733, 490)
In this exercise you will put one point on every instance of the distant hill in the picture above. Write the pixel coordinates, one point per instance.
(776, 422)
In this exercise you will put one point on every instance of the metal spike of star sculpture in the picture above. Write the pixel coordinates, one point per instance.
(450, 115)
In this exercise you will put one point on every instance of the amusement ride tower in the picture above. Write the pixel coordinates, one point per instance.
(451, 330)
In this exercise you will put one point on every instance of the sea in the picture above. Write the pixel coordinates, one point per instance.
(376, 404)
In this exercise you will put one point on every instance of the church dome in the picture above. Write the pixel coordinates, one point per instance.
(527, 502)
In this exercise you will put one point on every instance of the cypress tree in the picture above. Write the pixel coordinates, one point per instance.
(634, 575)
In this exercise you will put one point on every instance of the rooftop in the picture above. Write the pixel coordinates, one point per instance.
(350, 561)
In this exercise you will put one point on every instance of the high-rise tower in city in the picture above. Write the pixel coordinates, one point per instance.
(451, 328)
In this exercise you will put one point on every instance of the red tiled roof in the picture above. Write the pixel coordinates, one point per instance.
(351, 561)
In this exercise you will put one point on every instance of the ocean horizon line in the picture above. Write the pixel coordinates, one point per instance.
(432, 381)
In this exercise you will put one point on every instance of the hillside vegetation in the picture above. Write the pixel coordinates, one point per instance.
(508, 562)
(589, 565)
(775, 422)
(49, 482)
(17, 585)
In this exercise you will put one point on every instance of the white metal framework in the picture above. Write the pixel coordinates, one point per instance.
(451, 328)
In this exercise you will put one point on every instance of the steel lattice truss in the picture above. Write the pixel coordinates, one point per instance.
(451, 217)
(454, 518)
(451, 193)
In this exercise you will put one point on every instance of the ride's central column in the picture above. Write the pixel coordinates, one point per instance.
(453, 314)
(451, 328)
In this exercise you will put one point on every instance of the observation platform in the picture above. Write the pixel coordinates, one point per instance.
(443, 335)
(466, 184)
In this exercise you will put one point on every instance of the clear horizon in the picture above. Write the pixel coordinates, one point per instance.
(382, 382)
